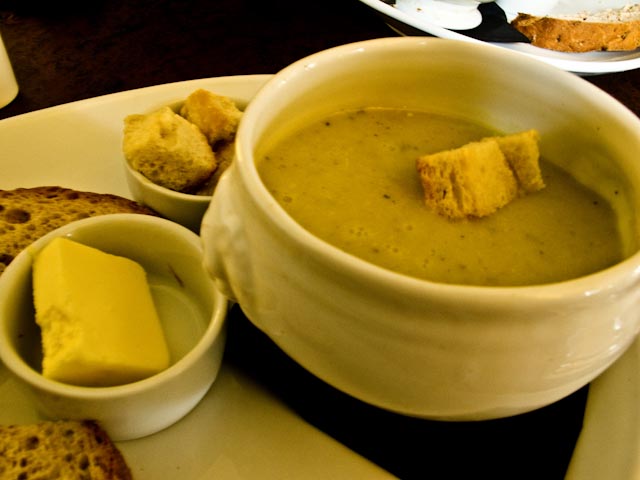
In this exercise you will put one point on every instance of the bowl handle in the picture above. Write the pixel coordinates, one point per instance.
(225, 242)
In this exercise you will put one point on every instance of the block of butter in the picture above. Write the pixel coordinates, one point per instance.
(97, 317)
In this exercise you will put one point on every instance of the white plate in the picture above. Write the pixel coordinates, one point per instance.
(609, 444)
(240, 431)
(588, 63)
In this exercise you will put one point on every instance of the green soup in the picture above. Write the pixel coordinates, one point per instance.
(351, 180)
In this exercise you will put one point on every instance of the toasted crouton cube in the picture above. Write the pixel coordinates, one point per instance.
(168, 150)
(471, 181)
(522, 153)
(215, 115)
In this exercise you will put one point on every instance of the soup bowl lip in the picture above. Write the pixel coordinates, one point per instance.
(24, 260)
(621, 274)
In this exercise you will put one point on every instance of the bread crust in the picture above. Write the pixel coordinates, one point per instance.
(574, 35)
(69, 449)
(26, 214)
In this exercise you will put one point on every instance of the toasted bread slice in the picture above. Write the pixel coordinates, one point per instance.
(26, 214)
(65, 449)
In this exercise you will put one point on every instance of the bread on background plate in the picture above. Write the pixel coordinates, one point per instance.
(614, 29)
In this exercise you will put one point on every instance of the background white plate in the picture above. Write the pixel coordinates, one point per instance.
(588, 63)
(240, 431)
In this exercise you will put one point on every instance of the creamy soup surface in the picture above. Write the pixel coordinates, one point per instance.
(351, 180)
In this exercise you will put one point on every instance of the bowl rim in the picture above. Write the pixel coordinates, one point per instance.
(626, 272)
(19, 367)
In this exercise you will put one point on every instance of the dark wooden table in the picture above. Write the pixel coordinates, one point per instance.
(65, 51)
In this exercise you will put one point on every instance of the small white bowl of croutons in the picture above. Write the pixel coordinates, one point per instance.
(175, 154)
(113, 319)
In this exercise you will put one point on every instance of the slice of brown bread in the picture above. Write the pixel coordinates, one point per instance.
(607, 30)
(64, 449)
(26, 214)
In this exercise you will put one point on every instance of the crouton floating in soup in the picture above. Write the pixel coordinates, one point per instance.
(480, 177)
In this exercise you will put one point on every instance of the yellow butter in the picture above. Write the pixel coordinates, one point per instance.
(98, 320)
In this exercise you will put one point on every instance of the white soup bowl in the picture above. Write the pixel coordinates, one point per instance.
(411, 346)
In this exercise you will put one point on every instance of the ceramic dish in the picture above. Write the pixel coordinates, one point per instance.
(372, 332)
(237, 412)
(458, 14)
(581, 63)
(191, 312)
